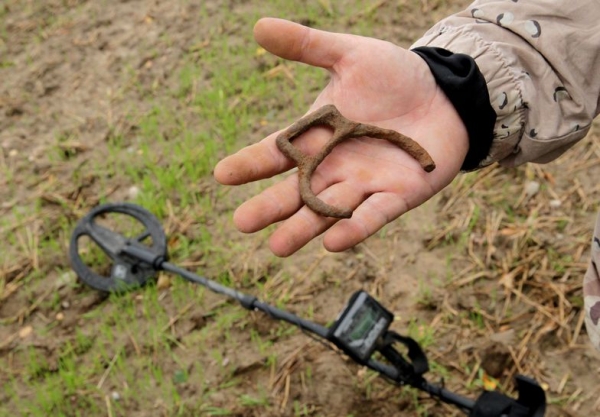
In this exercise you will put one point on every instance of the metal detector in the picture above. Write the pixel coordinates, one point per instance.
(361, 330)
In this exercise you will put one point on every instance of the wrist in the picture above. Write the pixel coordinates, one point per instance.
(458, 76)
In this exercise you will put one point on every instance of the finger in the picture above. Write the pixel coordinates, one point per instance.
(305, 225)
(254, 162)
(299, 43)
(264, 160)
(274, 204)
(374, 213)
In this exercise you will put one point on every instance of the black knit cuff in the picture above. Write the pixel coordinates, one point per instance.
(459, 77)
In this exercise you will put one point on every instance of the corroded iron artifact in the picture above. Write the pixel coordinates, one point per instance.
(342, 129)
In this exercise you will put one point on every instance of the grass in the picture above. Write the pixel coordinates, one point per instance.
(179, 350)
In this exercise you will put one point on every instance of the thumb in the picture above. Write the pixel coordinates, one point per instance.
(300, 43)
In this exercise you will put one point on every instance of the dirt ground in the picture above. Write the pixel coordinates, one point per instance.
(487, 275)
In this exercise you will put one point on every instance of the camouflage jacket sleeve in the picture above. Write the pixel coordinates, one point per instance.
(541, 63)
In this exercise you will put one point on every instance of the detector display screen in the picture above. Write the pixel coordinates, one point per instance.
(360, 325)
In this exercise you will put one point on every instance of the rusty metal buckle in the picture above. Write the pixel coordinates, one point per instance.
(343, 129)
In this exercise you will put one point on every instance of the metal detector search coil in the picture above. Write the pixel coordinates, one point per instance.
(361, 329)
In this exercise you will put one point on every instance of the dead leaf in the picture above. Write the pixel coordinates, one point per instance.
(163, 282)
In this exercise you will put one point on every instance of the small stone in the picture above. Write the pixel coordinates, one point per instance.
(133, 192)
(12, 153)
(115, 396)
(60, 316)
(532, 188)
(555, 204)
(65, 304)
(25, 331)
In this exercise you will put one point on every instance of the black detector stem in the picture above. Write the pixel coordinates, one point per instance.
(248, 301)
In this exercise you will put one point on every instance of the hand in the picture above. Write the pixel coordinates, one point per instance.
(373, 82)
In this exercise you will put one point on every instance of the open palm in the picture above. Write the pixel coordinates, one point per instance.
(373, 82)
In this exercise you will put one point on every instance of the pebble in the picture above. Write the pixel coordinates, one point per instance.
(555, 203)
(133, 192)
(532, 188)
(65, 304)
(115, 396)
(25, 331)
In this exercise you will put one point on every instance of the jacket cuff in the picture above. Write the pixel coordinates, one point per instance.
(460, 79)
